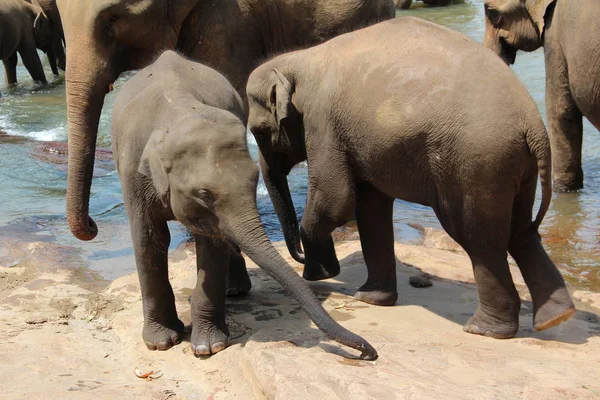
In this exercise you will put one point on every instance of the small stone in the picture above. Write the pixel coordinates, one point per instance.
(105, 355)
(420, 281)
(36, 320)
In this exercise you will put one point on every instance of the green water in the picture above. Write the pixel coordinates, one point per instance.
(33, 191)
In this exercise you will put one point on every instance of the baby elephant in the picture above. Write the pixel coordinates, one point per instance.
(180, 149)
(434, 119)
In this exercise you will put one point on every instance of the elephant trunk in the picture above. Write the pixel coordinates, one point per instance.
(279, 191)
(85, 89)
(249, 234)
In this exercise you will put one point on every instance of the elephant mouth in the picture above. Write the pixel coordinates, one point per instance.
(508, 53)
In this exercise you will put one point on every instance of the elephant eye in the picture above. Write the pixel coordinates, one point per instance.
(109, 25)
(493, 16)
(205, 196)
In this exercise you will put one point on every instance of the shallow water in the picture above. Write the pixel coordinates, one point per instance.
(33, 191)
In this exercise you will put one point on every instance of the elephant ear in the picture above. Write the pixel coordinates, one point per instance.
(281, 106)
(154, 165)
(537, 9)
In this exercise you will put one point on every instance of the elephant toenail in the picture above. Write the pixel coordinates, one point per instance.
(201, 350)
(150, 346)
(163, 346)
(217, 347)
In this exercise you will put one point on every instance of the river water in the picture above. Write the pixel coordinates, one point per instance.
(33, 190)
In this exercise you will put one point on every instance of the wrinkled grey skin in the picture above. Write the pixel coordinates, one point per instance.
(569, 31)
(23, 28)
(405, 4)
(180, 148)
(459, 134)
(107, 37)
(50, 8)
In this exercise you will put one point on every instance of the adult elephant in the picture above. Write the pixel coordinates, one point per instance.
(50, 8)
(108, 37)
(570, 34)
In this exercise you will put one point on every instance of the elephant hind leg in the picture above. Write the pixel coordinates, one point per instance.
(552, 303)
(375, 226)
(480, 223)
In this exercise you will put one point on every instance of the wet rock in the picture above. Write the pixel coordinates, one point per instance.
(56, 153)
(61, 151)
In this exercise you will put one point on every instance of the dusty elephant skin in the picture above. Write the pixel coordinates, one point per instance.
(23, 29)
(570, 34)
(460, 135)
(181, 153)
(108, 37)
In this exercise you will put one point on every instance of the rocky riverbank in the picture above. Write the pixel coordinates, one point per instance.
(66, 334)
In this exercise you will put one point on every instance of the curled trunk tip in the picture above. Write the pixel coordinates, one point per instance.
(83, 229)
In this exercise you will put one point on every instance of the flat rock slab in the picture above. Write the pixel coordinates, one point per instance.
(61, 339)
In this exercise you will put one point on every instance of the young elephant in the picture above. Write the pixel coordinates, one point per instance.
(23, 28)
(569, 31)
(437, 120)
(180, 149)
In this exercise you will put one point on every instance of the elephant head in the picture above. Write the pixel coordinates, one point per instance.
(105, 38)
(42, 32)
(512, 25)
(277, 126)
(206, 177)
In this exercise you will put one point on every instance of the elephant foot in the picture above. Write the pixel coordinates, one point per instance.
(208, 339)
(318, 272)
(238, 283)
(568, 182)
(377, 294)
(484, 325)
(555, 311)
(162, 337)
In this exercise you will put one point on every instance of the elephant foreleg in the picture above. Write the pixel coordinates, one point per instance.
(209, 329)
(32, 62)
(10, 69)
(315, 232)
(238, 281)
(162, 327)
(565, 123)
(374, 217)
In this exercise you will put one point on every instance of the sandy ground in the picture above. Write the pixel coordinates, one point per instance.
(66, 335)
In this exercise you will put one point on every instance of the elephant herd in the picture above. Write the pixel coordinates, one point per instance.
(434, 119)
(28, 25)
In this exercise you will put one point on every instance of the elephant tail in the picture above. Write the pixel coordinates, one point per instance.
(539, 145)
